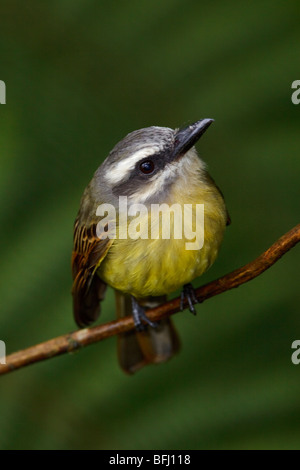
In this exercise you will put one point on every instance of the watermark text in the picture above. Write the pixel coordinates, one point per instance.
(2, 352)
(2, 92)
(296, 354)
(155, 221)
(296, 94)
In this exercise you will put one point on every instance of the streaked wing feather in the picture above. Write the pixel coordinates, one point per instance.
(88, 289)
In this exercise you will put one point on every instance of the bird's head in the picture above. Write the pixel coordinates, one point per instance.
(147, 162)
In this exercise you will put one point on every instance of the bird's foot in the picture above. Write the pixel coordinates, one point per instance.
(188, 293)
(139, 316)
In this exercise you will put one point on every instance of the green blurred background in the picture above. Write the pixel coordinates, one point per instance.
(80, 75)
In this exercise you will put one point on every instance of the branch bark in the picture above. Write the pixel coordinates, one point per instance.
(73, 341)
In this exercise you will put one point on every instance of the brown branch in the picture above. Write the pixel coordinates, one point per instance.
(72, 341)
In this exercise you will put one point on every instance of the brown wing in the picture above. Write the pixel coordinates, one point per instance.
(88, 289)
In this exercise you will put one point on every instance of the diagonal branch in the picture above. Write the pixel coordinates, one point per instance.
(72, 341)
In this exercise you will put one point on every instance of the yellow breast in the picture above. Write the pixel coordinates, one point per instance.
(144, 267)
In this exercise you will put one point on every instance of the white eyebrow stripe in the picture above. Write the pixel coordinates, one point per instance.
(123, 168)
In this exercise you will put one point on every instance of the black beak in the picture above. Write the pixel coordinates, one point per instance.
(188, 136)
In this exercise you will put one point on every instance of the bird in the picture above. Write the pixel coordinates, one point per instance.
(149, 167)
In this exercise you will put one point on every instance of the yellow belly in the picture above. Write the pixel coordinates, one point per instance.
(157, 266)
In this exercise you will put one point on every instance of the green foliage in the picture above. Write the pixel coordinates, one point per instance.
(80, 75)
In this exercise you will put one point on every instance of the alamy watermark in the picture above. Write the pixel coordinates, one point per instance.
(2, 92)
(2, 352)
(155, 221)
(296, 94)
(296, 354)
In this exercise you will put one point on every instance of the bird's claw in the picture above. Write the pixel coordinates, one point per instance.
(139, 316)
(188, 293)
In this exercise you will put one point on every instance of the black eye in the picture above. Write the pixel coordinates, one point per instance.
(147, 167)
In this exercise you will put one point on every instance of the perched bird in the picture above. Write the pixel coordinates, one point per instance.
(151, 166)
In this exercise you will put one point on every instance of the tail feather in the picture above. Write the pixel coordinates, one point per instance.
(150, 346)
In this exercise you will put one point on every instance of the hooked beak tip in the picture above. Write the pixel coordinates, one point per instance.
(187, 137)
